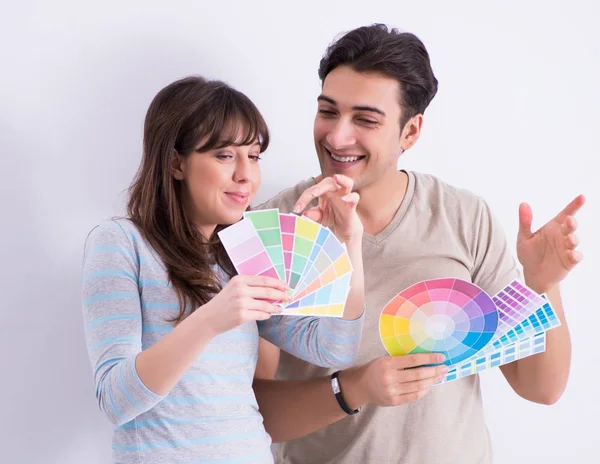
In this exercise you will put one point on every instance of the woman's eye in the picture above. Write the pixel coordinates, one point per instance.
(224, 156)
(255, 157)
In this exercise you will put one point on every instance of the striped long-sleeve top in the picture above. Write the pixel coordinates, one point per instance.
(211, 415)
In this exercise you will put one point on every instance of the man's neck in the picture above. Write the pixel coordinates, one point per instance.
(380, 201)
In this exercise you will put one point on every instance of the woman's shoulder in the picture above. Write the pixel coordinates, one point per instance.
(114, 231)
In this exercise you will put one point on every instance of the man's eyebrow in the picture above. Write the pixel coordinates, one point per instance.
(326, 99)
(354, 108)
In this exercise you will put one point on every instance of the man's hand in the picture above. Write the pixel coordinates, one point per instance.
(548, 254)
(392, 380)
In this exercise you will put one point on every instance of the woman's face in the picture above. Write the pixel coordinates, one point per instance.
(219, 184)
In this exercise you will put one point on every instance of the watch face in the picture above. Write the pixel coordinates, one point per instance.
(335, 385)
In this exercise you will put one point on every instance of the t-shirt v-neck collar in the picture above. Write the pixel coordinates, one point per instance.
(400, 213)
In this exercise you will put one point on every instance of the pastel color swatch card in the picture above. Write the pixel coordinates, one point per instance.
(495, 358)
(266, 223)
(299, 235)
(296, 250)
(246, 250)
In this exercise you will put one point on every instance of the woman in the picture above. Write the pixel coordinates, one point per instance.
(172, 334)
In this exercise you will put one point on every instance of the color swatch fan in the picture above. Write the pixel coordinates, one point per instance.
(297, 250)
(472, 329)
(513, 341)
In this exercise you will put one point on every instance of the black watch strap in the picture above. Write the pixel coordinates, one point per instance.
(337, 391)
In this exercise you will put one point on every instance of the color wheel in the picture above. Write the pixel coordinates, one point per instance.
(448, 316)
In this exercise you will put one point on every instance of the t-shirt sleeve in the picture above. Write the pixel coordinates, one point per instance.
(494, 265)
(112, 318)
(324, 341)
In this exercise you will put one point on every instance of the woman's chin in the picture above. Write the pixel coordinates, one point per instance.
(231, 218)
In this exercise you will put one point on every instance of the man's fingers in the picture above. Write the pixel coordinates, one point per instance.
(327, 185)
(525, 220)
(571, 242)
(575, 256)
(570, 225)
(415, 360)
(411, 387)
(345, 182)
(572, 207)
(351, 199)
(412, 397)
(421, 373)
(315, 214)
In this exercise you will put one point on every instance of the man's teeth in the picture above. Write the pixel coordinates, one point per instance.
(344, 159)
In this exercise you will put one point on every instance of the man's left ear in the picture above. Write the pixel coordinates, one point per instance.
(411, 132)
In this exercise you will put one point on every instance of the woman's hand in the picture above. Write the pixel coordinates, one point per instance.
(243, 300)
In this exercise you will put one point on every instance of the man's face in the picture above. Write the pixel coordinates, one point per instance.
(357, 126)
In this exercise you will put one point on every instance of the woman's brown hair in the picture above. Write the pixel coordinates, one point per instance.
(191, 114)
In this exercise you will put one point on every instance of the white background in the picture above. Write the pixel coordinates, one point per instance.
(516, 118)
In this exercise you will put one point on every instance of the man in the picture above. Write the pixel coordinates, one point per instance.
(376, 85)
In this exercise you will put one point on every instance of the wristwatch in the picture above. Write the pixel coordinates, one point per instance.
(337, 391)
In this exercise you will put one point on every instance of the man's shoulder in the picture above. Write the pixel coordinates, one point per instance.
(433, 191)
(286, 199)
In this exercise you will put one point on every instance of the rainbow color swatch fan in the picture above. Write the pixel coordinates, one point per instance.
(296, 250)
(472, 329)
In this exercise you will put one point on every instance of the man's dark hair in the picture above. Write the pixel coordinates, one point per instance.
(398, 55)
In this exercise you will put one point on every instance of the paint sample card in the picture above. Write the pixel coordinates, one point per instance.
(540, 321)
(246, 250)
(504, 355)
(515, 303)
(448, 316)
(298, 251)
(298, 235)
(333, 295)
(331, 262)
(312, 273)
(333, 309)
(266, 223)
